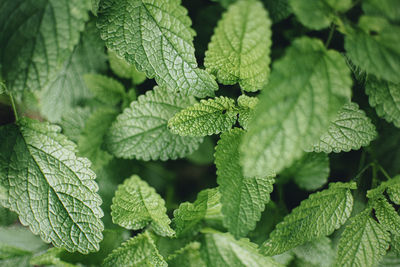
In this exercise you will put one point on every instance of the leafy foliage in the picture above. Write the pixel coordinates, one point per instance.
(242, 198)
(136, 205)
(124, 70)
(156, 46)
(208, 117)
(141, 130)
(239, 49)
(317, 216)
(295, 107)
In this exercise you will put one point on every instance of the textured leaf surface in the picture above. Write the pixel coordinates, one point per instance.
(141, 130)
(363, 242)
(224, 250)
(351, 129)
(137, 205)
(319, 215)
(318, 14)
(307, 88)
(239, 51)
(373, 47)
(188, 218)
(310, 172)
(208, 117)
(188, 256)
(387, 216)
(278, 9)
(105, 89)
(246, 109)
(73, 122)
(242, 198)
(155, 35)
(392, 188)
(385, 98)
(52, 190)
(92, 136)
(139, 251)
(124, 70)
(67, 89)
(36, 36)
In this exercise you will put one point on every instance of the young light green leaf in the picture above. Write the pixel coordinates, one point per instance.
(208, 117)
(139, 251)
(310, 172)
(105, 89)
(372, 46)
(36, 37)
(136, 205)
(387, 216)
(318, 252)
(246, 109)
(17, 246)
(51, 257)
(319, 215)
(159, 42)
(141, 130)
(242, 198)
(351, 129)
(363, 242)
(68, 88)
(389, 9)
(188, 256)
(224, 250)
(239, 51)
(189, 217)
(124, 70)
(92, 137)
(307, 88)
(41, 162)
(385, 98)
(318, 14)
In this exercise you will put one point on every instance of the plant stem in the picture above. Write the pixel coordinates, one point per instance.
(14, 107)
(328, 41)
(387, 176)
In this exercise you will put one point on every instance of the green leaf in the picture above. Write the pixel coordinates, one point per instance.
(387, 216)
(73, 122)
(318, 14)
(188, 256)
(242, 198)
(124, 70)
(158, 42)
(67, 89)
(36, 37)
(208, 117)
(224, 250)
(205, 154)
(136, 205)
(141, 130)
(389, 9)
(318, 252)
(363, 242)
(307, 88)
(246, 109)
(51, 257)
(139, 251)
(351, 129)
(105, 89)
(92, 137)
(390, 260)
(17, 246)
(319, 215)
(7, 217)
(310, 172)
(392, 188)
(385, 98)
(52, 190)
(278, 9)
(189, 217)
(239, 51)
(373, 47)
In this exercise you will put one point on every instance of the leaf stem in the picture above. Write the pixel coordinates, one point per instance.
(328, 41)
(13, 106)
(387, 176)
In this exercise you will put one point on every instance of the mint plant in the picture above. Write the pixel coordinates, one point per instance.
(199, 133)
